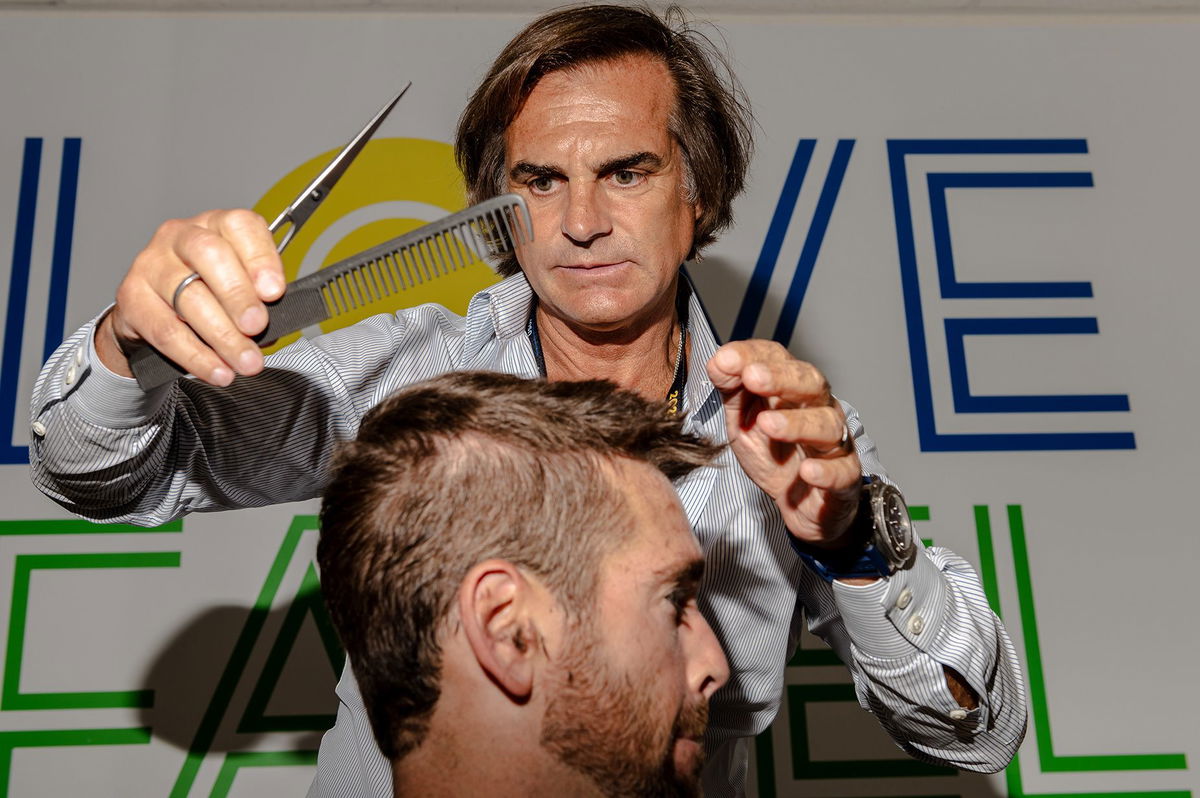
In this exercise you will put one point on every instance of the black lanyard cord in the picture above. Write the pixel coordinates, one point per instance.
(680, 377)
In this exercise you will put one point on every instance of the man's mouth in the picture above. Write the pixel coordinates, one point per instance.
(692, 721)
(591, 266)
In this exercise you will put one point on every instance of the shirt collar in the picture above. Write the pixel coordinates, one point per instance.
(506, 306)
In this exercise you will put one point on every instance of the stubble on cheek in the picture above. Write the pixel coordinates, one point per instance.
(606, 726)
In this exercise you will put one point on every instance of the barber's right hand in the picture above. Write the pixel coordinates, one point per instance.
(234, 254)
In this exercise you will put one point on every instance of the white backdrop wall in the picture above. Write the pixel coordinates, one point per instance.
(983, 230)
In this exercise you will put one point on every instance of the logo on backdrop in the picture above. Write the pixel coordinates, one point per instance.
(394, 186)
(955, 294)
(13, 355)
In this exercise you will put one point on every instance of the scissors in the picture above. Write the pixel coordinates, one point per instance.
(149, 372)
(311, 197)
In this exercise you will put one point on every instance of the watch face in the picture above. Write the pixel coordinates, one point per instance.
(894, 536)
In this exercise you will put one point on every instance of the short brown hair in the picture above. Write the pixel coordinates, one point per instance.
(462, 468)
(711, 120)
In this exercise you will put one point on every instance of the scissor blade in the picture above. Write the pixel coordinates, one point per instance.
(315, 193)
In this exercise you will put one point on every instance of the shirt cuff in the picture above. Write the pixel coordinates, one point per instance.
(102, 397)
(889, 618)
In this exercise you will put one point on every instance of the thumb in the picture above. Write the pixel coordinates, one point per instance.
(725, 370)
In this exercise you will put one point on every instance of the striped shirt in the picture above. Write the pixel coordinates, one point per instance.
(109, 452)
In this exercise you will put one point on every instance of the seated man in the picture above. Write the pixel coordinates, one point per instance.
(515, 583)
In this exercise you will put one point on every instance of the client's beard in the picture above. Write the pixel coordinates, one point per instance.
(603, 725)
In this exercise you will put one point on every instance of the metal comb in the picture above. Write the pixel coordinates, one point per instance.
(487, 230)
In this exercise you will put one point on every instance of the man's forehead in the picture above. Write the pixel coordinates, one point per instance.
(655, 558)
(627, 65)
(627, 99)
(656, 511)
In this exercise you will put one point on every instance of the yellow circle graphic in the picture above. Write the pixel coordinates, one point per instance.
(413, 177)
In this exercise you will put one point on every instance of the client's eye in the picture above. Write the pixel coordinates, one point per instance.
(680, 599)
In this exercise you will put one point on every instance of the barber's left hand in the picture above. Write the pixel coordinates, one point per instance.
(786, 428)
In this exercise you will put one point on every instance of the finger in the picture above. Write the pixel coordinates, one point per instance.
(725, 367)
(247, 233)
(768, 369)
(793, 382)
(841, 476)
(731, 359)
(156, 323)
(207, 318)
(205, 252)
(820, 428)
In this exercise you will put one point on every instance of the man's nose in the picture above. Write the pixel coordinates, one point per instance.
(586, 216)
(708, 669)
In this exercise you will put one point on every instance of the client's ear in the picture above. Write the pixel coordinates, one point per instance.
(495, 604)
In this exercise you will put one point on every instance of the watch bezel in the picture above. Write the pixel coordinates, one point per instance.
(892, 532)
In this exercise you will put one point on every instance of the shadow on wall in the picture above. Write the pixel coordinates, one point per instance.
(235, 678)
(234, 674)
(718, 280)
(722, 284)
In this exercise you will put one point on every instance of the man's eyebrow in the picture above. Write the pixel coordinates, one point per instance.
(686, 577)
(638, 160)
(634, 161)
(525, 169)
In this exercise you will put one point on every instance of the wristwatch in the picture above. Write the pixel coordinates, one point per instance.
(882, 536)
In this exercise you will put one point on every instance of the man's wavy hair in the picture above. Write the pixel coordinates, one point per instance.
(711, 120)
(464, 468)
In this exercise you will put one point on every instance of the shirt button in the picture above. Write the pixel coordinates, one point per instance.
(958, 714)
(39, 429)
(70, 378)
(79, 356)
(904, 599)
(916, 624)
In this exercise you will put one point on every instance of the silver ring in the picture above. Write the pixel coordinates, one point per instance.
(184, 283)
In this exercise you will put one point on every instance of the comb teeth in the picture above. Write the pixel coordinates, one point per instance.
(490, 229)
(391, 270)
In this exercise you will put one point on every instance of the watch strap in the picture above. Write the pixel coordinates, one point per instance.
(860, 559)
(871, 563)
